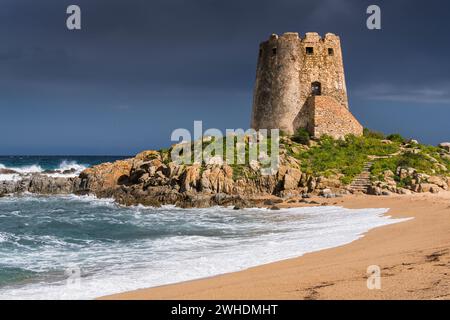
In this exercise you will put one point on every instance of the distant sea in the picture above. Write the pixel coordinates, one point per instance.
(39, 164)
(81, 247)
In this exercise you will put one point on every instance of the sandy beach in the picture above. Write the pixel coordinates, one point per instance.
(414, 258)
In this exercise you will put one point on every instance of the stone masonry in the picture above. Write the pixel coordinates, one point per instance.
(300, 83)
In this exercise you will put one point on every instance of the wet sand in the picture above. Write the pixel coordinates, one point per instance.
(413, 256)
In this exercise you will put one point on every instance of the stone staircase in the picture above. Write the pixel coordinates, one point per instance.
(362, 181)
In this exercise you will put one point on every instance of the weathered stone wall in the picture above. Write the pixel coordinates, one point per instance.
(285, 72)
(277, 85)
(331, 118)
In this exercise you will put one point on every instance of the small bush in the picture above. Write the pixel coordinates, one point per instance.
(382, 165)
(373, 134)
(396, 137)
(420, 162)
(301, 136)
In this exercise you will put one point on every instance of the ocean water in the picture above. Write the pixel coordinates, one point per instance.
(39, 164)
(80, 247)
(71, 247)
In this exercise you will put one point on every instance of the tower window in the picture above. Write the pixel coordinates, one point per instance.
(330, 52)
(274, 51)
(316, 88)
(309, 50)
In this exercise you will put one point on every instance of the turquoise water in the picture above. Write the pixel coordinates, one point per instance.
(70, 247)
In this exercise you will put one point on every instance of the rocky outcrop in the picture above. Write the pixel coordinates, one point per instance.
(445, 146)
(7, 171)
(150, 178)
(412, 181)
(103, 179)
(41, 184)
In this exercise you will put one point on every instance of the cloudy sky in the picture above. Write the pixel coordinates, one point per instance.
(140, 68)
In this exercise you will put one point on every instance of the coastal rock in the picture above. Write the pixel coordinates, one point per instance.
(445, 146)
(428, 187)
(105, 177)
(151, 179)
(312, 182)
(40, 184)
(388, 176)
(439, 181)
(325, 192)
(404, 191)
(50, 185)
(189, 180)
(405, 172)
(10, 187)
(375, 190)
(147, 155)
(440, 167)
(329, 182)
(7, 171)
(217, 179)
(292, 179)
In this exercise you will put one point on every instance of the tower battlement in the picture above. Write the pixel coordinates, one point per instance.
(308, 37)
(291, 69)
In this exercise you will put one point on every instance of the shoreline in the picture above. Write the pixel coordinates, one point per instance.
(413, 257)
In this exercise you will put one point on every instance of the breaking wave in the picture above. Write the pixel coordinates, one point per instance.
(124, 248)
(64, 169)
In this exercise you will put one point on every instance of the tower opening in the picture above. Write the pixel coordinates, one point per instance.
(274, 51)
(330, 52)
(316, 88)
(309, 50)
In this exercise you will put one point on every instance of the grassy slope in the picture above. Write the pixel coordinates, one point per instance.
(329, 157)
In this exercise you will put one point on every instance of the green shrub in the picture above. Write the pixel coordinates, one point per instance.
(373, 134)
(301, 136)
(382, 165)
(346, 156)
(418, 161)
(396, 137)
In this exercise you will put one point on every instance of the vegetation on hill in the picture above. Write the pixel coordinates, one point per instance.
(346, 158)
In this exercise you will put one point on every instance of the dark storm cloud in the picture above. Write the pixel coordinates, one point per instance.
(139, 69)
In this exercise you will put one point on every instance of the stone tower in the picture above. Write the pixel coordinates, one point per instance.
(300, 83)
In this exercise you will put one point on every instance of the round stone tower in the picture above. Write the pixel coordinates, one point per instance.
(292, 71)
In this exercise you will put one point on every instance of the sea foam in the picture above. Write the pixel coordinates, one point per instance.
(65, 165)
(119, 249)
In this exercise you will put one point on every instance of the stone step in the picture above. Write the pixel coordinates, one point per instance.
(362, 182)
